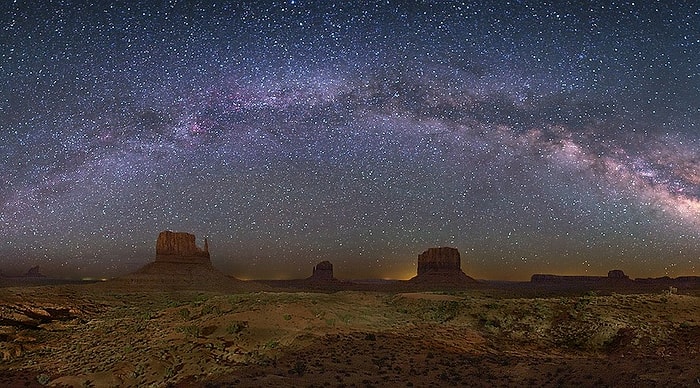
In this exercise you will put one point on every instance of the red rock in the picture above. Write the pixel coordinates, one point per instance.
(439, 259)
(323, 271)
(441, 265)
(180, 247)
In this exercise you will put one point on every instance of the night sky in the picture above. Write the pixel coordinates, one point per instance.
(534, 136)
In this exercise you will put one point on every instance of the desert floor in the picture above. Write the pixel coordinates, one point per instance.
(91, 335)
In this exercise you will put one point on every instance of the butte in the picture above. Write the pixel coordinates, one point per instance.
(181, 264)
(322, 272)
(441, 267)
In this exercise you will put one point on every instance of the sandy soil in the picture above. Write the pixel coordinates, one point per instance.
(92, 335)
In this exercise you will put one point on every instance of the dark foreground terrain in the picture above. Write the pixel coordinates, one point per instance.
(104, 335)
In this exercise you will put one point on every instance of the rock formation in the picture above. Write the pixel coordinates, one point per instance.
(617, 274)
(34, 273)
(180, 264)
(323, 271)
(442, 259)
(180, 247)
(442, 264)
(614, 275)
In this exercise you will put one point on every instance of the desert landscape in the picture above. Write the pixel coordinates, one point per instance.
(180, 322)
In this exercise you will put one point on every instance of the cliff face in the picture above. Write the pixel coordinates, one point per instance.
(442, 259)
(180, 247)
(440, 266)
(323, 271)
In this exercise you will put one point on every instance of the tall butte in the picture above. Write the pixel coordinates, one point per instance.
(180, 247)
(441, 265)
(181, 264)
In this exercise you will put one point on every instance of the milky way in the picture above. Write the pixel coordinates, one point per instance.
(533, 137)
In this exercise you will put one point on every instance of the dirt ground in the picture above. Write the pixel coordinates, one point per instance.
(94, 335)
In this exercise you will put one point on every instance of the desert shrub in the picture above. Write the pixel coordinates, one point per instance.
(236, 327)
(185, 313)
(581, 303)
(191, 330)
(147, 316)
(207, 309)
(445, 311)
(43, 379)
(199, 300)
(287, 317)
(299, 368)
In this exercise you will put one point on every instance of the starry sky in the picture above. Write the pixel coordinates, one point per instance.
(534, 136)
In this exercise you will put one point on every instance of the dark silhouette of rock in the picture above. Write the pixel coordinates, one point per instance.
(617, 274)
(180, 247)
(323, 271)
(34, 273)
(441, 265)
(614, 275)
(442, 259)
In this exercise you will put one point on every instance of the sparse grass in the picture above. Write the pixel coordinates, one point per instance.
(43, 379)
(299, 368)
(191, 330)
(236, 327)
(169, 372)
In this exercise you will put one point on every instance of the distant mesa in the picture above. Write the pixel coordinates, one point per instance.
(180, 247)
(441, 265)
(615, 275)
(323, 271)
(34, 273)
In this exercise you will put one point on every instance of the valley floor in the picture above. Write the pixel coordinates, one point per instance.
(93, 335)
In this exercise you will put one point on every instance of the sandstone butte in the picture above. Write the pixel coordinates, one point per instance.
(180, 247)
(441, 265)
(181, 264)
(322, 271)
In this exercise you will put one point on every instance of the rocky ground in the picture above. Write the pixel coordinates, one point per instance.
(94, 335)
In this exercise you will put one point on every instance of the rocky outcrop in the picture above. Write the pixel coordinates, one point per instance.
(323, 271)
(180, 247)
(441, 265)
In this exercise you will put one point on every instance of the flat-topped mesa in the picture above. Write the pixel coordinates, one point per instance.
(323, 271)
(441, 265)
(441, 259)
(180, 247)
(616, 275)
